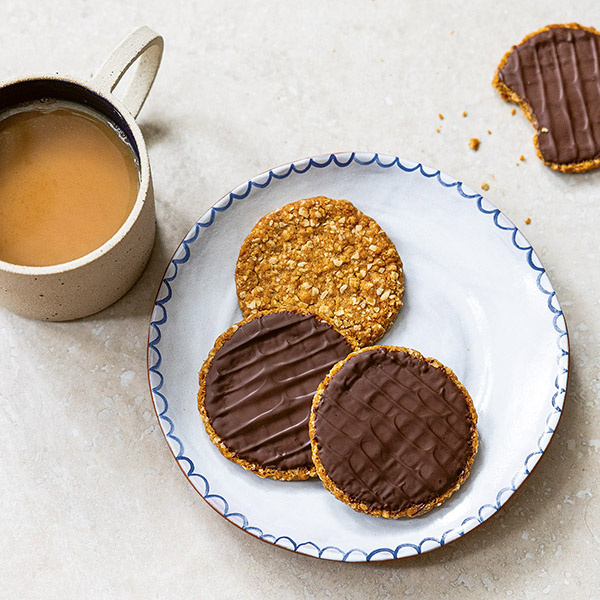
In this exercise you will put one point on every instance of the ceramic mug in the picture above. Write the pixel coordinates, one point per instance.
(88, 284)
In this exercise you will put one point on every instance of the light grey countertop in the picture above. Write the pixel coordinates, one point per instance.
(93, 503)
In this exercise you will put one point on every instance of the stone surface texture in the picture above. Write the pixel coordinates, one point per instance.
(93, 504)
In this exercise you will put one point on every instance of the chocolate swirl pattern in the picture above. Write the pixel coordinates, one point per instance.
(258, 385)
(554, 74)
(393, 432)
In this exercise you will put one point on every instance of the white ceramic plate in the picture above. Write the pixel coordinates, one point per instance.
(477, 298)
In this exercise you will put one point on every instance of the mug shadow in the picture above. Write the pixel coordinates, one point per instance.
(155, 131)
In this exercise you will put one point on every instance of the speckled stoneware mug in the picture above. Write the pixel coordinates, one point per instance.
(88, 284)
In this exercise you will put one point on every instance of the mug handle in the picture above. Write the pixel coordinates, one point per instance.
(143, 44)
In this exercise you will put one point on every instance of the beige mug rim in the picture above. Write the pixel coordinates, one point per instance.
(141, 195)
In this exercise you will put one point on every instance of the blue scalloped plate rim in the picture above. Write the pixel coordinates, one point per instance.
(332, 552)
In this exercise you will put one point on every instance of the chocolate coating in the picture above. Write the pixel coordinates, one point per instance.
(393, 431)
(261, 382)
(557, 73)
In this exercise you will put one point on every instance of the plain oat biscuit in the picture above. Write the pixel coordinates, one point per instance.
(325, 256)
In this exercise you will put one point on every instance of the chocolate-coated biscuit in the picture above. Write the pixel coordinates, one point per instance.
(325, 256)
(257, 385)
(393, 434)
(554, 75)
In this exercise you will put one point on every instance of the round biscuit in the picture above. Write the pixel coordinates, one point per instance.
(298, 473)
(416, 509)
(325, 256)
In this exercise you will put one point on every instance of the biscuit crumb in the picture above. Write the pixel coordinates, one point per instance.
(438, 129)
(464, 113)
(474, 144)
(513, 112)
(485, 186)
(441, 116)
(527, 221)
(489, 132)
(522, 159)
(544, 130)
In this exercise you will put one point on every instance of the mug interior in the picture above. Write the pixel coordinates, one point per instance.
(39, 88)
(29, 90)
